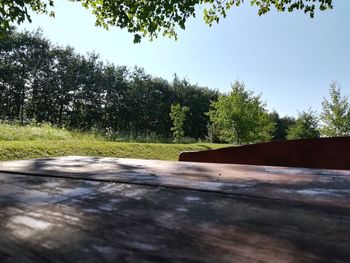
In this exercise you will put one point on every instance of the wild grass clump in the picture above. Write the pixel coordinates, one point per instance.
(32, 132)
(139, 137)
(123, 136)
(15, 132)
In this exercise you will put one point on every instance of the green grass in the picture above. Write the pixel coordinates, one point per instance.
(15, 150)
(15, 132)
(37, 141)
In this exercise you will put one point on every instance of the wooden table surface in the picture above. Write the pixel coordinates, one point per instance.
(86, 209)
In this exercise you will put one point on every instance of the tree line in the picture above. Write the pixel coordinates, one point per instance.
(47, 83)
(43, 82)
(241, 117)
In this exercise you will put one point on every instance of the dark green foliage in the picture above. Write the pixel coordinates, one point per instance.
(45, 83)
(151, 18)
(281, 126)
(305, 127)
(23, 64)
(198, 100)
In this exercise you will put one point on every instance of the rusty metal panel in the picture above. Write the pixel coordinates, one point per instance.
(323, 153)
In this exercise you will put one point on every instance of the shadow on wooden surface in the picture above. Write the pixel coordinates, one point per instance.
(322, 153)
(88, 209)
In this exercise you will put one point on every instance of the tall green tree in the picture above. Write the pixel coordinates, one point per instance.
(151, 18)
(241, 116)
(115, 87)
(336, 113)
(24, 62)
(305, 126)
(198, 99)
(178, 116)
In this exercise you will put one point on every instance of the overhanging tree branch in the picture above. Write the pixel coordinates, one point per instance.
(151, 18)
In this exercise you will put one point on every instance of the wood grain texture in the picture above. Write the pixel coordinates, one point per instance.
(322, 153)
(85, 209)
(309, 186)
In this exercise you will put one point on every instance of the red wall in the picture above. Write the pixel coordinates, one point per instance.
(326, 153)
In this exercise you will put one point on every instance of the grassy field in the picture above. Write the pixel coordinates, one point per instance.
(14, 150)
(25, 142)
(15, 132)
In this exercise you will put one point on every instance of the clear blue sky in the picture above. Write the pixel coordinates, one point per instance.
(289, 58)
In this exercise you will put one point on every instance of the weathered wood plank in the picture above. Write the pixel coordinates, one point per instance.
(63, 220)
(309, 186)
